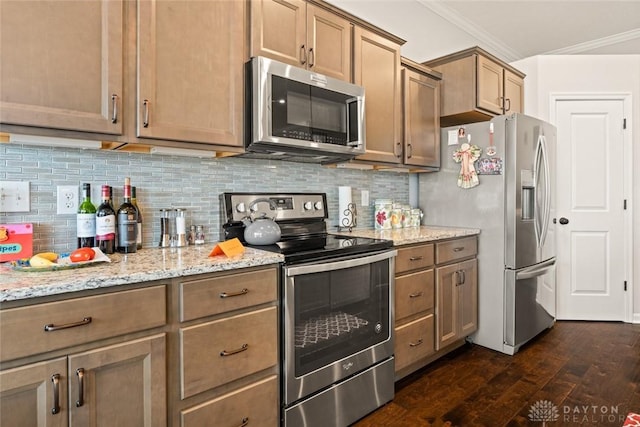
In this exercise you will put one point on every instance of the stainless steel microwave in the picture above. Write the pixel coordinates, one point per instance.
(295, 114)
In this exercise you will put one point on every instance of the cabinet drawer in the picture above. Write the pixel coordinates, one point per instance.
(414, 341)
(456, 249)
(256, 403)
(111, 315)
(414, 257)
(414, 293)
(214, 295)
(218, 352)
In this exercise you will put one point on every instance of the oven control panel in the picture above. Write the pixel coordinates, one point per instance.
(292, 206)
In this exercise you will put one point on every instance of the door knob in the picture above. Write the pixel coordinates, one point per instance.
(564, 221)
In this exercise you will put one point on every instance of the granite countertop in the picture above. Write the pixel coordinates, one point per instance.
(142, 266)
(407, 236)
(157, 264)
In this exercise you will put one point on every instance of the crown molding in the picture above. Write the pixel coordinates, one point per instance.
(489, 42)
(594, 44)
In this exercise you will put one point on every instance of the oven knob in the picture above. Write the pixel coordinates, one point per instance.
(240, 207)
(318, 206)
(307, 206)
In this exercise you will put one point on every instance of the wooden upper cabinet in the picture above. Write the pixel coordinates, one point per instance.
(490, 85)
(513, 92)
(477, 86)
(421, 96)
(191, 59)
(303, 35)
(62, 64)
(376, 66)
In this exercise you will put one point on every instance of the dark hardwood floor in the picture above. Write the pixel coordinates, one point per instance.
(582, 373)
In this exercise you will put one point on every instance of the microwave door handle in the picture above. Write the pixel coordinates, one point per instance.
(349, 102)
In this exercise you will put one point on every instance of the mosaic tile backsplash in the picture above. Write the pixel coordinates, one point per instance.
(171, 182)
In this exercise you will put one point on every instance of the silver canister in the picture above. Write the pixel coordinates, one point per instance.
(165, 228)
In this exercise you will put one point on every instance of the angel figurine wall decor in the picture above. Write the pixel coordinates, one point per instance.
(467, 155)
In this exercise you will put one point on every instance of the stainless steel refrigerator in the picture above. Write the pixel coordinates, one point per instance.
(499, 176)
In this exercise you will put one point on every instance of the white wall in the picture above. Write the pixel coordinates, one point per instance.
(591, 74)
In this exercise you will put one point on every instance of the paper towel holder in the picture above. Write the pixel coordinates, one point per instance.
(350, 218)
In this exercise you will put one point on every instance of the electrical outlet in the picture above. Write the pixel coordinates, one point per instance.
(68, 199)
(364, 198)
(14, 196)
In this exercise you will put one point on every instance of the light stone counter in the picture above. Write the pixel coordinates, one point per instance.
(407, 236)
(143, 266)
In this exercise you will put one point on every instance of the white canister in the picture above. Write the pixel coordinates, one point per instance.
(416, 217)
(382, 214)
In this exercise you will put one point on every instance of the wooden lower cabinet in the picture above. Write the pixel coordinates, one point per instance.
(436, 300)
(256, 404)
(121, 384)
(225, 346)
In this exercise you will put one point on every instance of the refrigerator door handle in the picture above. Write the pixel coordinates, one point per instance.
(535, 270)
(537, 210)
(547, 189)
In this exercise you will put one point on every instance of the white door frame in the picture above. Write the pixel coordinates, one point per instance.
(627, 190)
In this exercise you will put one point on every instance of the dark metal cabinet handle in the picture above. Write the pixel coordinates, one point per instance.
(399, 151)
(225, 353)
(114, 108)
(303, 55)
(416, 258)
(458, 249)
(51, 327)
(507, 103)
(80, 374)
(234, 294)
(312, 58)
(417, 343)
(55, 379)
(416, 294)
(145, 113)
(460, 277)
(245, 421)
(563, 221)
(409, 151)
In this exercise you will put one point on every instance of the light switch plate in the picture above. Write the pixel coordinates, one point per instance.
(14, 196)
(67, 199)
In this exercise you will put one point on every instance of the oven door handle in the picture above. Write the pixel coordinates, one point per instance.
(338, 265)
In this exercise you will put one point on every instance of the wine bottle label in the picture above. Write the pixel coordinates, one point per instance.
(106, 227)
(86, 224)
(127, 229)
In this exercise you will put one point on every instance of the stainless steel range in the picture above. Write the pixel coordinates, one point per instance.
(336, 310)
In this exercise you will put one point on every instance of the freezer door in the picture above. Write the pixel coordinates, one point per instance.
(529, 303)
(529, 190)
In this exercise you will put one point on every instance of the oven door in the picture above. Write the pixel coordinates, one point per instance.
(338, 318)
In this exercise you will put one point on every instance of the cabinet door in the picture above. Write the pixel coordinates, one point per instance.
(61, 64)
(376, 67)
(329, 43)
(191, 71)
(278, 30)
(490, 85)
(119, 385)
(468, 297)
(457, 301)
(513, 93)
(28, 395)
(421, 119)
(447, 304)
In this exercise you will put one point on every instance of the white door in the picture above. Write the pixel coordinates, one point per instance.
(590, 209)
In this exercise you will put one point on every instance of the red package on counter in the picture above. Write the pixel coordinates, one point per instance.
(16, 241)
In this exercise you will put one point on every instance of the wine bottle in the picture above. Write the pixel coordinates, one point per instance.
(86, 219)
(134, 202)
(127, 222)
(106, 224)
